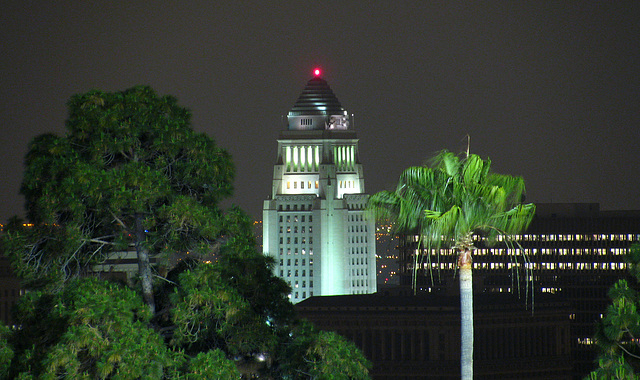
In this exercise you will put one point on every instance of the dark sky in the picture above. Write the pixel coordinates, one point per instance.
(548, 90)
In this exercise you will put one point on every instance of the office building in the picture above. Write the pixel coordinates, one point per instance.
(574, 251)
(314, 222)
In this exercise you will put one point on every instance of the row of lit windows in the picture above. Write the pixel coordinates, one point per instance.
(304, 294)
(303, 240)
(295, 218)
(296, 284)
(360, 272)
(359, 250)
(295, 207)
(302, 158)
(359, 228)
(302, 183)
(296, 273)
(296, 262)
(532, 266)
(345, 184)
(344, 157)
(295, 251)
(303, 229)
(572, 237)
(531, 251)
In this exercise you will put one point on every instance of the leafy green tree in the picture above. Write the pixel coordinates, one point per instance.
(312, 354)
(90, 329)
(233, 303)
(618, 331)
(448, 202)
(6, 351)
(129, 174)
(212, 365)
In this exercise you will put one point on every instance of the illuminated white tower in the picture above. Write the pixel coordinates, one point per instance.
(314, 223)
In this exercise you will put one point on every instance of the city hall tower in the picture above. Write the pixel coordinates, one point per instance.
(314, 223)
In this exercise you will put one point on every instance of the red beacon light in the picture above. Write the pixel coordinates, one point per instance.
(316, 72)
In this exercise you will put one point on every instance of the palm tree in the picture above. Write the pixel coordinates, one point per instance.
(449, 201)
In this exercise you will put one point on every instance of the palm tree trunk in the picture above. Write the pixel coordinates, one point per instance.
(466, 314)
(144, 265)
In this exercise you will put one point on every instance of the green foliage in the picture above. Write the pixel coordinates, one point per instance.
(208, 313)
(6, 351)
(129, 173)
(312, 354)
(333, 357)
(212, 365)
(91, 329)
(448, 202)
(217, 306)
(455, 198)
(618, 331)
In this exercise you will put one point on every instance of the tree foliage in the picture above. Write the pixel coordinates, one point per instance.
(455, 197)
(129, 174)
(618, 332)
(320, 355)
(447, 203)
(6, 351)
(91, 329)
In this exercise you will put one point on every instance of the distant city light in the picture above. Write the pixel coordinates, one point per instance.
(316, 72)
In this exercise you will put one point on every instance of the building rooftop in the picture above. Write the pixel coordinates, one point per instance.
(317, 98)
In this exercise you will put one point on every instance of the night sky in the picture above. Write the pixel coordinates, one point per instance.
(548, 90)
